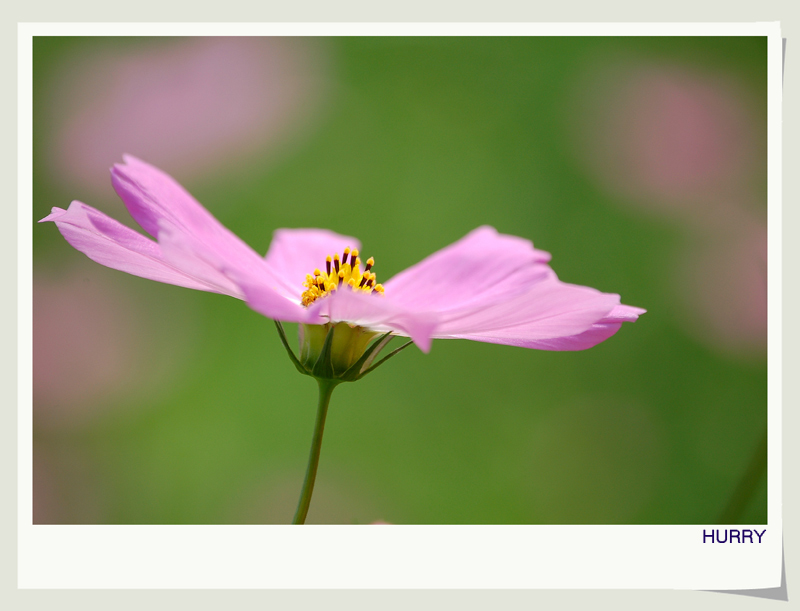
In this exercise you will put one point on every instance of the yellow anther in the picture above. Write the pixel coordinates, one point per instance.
(344, 270)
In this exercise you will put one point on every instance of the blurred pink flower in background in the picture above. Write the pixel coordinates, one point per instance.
(187, 103)
(84, 343)
(93, 345)
(690, 147)
(97, 349)
(725, 282)
(671, 140)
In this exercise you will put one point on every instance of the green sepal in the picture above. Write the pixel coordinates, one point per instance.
(354, 372)
(282, 335)
(386, 358)
(323, 368)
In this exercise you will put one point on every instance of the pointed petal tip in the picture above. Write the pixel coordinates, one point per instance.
(118, 167)
(116, 170)
(625, 313)
(423, 343)
(130, 159)
(421, 333)
(127, 162)
(55, 213)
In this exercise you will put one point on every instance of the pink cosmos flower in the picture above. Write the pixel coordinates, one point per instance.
(486, 287)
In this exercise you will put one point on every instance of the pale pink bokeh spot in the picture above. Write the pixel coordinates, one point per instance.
(689, 147)
(84, 343)
(723, 281)
(95, 345)
(686, 137)
(197, 105)
(671, 140)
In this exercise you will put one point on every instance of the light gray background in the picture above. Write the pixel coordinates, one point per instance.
(785, 11)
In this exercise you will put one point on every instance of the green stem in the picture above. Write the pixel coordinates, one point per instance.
(325, 391)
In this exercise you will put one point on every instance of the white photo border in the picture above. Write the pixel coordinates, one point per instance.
(344, 557)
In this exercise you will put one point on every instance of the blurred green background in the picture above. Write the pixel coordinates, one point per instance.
(639, 163)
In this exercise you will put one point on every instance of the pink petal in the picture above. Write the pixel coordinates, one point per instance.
(623, 313)
(266, 295)
(274, 286)
(549, 310)
(190, 255)
(483, 264)
(294, 253)
(114, 245)
(598, 332)
(594, 335)
(497, 288)
(377, 312)
(152, 198)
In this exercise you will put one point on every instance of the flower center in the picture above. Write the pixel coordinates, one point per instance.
(339, 274)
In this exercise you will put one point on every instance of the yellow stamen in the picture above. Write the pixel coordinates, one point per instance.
(345, 270)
